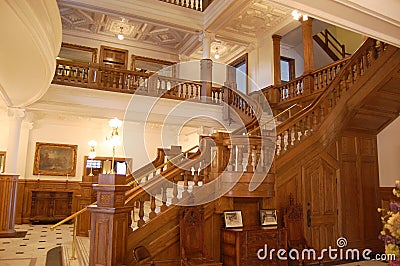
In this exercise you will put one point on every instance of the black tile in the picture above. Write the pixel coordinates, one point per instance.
(25, 239)
(19, 252)
(2, 249)
(22, 245)
(42, 236)
(40, 248)
(58, 233)
(58, 237)
(58, 229)
(6, 242)
(44, 231)
(41, 241)
(58, 244)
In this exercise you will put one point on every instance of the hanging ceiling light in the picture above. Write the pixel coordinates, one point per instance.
(120, 35)
(216, 55)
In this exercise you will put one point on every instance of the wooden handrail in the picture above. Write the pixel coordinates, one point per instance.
(72, 216)
(284, 89)
(273, 118)
(162, 165)
(310, 118)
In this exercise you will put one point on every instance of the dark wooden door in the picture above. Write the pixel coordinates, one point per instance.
(319, 181)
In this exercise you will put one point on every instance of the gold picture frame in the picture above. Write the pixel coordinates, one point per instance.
(55, 159)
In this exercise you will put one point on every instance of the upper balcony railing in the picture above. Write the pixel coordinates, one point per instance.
(93, 76)
(198, 5)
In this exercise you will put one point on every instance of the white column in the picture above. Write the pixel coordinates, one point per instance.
(206, 38)
(15, 117)
(206, 66)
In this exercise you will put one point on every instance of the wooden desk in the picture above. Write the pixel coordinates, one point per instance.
(240, 246)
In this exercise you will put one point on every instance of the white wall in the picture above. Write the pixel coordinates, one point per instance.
(290, 52)
(389, 154)
(77, 130)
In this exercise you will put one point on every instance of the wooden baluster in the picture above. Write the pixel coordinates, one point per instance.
(131, 218)
(249, 167)
(300, 131)
(185, 192)
(232, 158)
(164, 206)
(239, 163)
(294, 135)
(278, 145)
(141, 222)
(152, 213)
(174, 191)
(257, 159)
(196, 177)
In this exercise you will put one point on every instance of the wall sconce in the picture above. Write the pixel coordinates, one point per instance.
(92, 154)
(120, 35)
(297, 15)
(114, 140)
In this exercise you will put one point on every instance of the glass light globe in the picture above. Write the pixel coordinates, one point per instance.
(115, 123)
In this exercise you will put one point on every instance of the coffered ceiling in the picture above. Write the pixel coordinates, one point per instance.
(233, 35)
(236, 24)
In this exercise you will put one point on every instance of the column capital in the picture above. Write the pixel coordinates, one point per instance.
(276, 37)
(15, 112)
(183, 58)
(206, 35)
(251, 47)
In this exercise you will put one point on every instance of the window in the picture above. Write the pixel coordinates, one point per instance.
(287, 69)
(241, 73)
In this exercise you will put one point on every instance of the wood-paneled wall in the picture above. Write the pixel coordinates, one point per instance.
(26, 187)
(337, 184)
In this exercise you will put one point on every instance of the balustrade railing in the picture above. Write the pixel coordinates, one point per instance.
(307, 84)
(71, 73)
(192, 4)
(305, 123)
(177, 88)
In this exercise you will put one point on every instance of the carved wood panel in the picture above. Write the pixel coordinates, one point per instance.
(359, 189)
(320, 203)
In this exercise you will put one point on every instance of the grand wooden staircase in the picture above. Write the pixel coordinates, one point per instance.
(325, 155)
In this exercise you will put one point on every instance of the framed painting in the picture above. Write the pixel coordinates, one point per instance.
(55, 159)
(268, 217)
(233, 219)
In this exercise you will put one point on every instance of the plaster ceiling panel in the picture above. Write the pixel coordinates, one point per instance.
(259, 16)
(77, 20)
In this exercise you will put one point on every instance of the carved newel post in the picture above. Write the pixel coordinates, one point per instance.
(109, 221)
